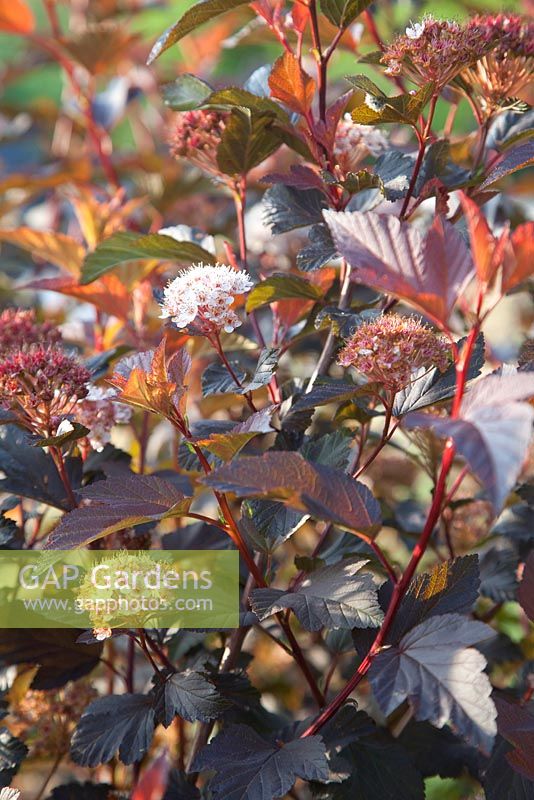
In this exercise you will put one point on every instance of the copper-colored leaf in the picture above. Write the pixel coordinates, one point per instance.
(107, 294)
(519, 265)
(148, 380)
(16, 17)
(56, 248)
(487, 251)
(323, 492)
(290, 84)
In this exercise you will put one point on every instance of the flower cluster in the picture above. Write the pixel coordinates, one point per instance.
(99, 412)
(354, 143)
(45, 720)
(507, 68)
(196, 135)
(19, 326)
(435, 51)
(390, 348)
(203, 296)
(41, 385)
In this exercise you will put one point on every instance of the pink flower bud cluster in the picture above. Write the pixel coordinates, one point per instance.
(196, 135)
(508, 67)
(435, 51)
(99, 412)
(40, 385)
(354, 143)
(19, 326)
(389, 349)
(203, 296)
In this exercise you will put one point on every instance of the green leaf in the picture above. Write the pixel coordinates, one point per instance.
(185, 93)
(338, 596)
(366, 85)
(281, 287)
(127, 246)
(193, 18)
(247, 140)
(123, 723)
(404, 108)
(78, 432)
(189, 695)
(343, 12)
(233, 96)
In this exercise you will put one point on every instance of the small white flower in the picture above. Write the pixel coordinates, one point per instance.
(98, 412)
(100, 635)
(398, 184)
(415, 30)
(374, 103)
(65, 426)
(203, 294)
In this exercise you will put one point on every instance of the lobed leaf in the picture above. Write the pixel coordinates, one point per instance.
(116, 723)
(189, 695)
(247, 767)
(338, 596)
(442, 678)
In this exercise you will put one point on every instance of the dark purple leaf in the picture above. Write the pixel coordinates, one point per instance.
(513, 160)
(441, 676)
(338, 596)
(247, 767)
(324, 492)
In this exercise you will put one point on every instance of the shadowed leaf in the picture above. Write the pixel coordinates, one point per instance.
(248, 767)
(123, 723)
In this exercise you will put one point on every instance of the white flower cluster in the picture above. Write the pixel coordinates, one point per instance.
(204, 295)
(100, 413)
(355, 142)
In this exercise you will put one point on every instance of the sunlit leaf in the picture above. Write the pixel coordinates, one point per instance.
(126, 246)
(337, 596)
(193, 18)
(323, 492)
(441, 675)
(430, 271)
(290, 84)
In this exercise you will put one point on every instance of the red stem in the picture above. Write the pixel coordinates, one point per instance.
(418, 552)
(422, 137)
